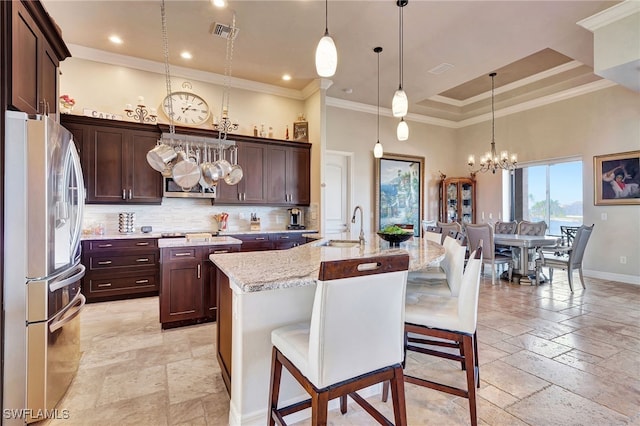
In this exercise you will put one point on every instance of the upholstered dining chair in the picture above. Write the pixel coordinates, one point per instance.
(433, 233)
(484, 232)
(537, 229)
(504, 228)
(567, 258)
(339, 351)
(448, 226)
(452, 322)
(444, 279)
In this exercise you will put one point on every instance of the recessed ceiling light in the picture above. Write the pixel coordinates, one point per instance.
(115, 39)
(186, 55)
(286, 77)
(219, 3)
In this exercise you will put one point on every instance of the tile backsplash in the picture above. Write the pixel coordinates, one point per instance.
(190, 214)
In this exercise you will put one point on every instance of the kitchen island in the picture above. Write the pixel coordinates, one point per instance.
(258, 293)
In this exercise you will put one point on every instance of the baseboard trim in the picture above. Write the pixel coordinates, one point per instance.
(609, 276)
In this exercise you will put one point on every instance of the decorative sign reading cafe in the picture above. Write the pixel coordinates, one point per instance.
(99, 114)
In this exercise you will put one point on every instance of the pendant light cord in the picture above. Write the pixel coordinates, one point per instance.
(326, 17)
(401, 21)
(378, 50)
(493, 113)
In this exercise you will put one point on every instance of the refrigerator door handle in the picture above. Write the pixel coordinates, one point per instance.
(80, 194)
(76, 274)
(74, 307)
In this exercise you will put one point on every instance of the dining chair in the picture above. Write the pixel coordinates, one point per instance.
(354, 340)
(504, 228)
(484, 232)
(537, 229)
(568, 233)
(433, 233)
(448, 226)
(567, 258)
(452, 322)
(444, 279)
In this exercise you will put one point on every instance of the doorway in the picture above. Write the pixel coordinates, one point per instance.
(338, 192)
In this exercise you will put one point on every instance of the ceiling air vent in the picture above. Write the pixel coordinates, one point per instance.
(441, 68)
(223, 31)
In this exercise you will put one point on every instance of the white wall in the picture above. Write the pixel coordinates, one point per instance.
(602, 122)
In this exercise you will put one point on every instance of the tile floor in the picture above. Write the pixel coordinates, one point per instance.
(548, 357)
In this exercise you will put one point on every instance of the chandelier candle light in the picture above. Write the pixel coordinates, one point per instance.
(377, 149)
(490, 160)
(141, 113)
(326, 53)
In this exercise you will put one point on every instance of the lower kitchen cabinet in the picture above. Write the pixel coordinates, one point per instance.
(120, 269)
(188, 284)
(270, 241)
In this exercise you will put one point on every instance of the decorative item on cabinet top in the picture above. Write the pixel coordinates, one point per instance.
(195, 160)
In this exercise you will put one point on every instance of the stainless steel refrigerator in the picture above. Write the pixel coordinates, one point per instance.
(44, 199)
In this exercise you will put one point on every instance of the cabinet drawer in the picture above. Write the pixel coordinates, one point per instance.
(221, 249)
(98, 285)
(97, 245)
(126, 261)
(180, 253)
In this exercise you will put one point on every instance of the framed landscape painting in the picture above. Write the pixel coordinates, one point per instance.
(399, 191)
(617, 178)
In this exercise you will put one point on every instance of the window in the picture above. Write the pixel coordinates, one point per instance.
(551, 192)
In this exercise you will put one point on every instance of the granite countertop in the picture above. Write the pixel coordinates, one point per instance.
(299, 266)
(117, 235)
(184, 242)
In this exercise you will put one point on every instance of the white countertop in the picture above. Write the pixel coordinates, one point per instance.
(184, 242)
(299, 266)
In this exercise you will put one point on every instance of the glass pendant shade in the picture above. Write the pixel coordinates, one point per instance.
(377, 150)
(400, 104)
(403, 130)
(326, 56)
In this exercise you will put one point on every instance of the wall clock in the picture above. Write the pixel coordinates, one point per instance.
(188, 108)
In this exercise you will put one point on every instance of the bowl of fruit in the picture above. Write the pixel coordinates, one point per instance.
(395, 234)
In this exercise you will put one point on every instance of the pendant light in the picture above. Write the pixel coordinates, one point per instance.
(400, 103)
(326, 53)
(377, 149)
(402, 132)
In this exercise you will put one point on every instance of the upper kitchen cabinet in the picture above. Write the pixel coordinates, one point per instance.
(289, 175)
(113, 157)
(36, 49)
(252, 189)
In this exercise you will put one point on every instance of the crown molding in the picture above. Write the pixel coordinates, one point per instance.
(96, 55)
(610, 15)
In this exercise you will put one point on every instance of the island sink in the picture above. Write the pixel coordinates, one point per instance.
(341, 243)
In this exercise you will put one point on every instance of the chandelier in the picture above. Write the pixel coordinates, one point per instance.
(490, 161)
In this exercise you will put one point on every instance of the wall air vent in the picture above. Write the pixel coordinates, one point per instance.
(223, 31)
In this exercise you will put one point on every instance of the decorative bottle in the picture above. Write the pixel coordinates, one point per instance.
(286, 134)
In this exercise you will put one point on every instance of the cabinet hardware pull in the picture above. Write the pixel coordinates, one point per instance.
(142, 259)
(284, 238)
(220, 251)
(105, 262)
(198, 270)
(142, 244)
(244, 196)
(182, 254)
(104, 285)
(130, 194)
(239, 196)
(124, 194)
(104, 245)
(260, 238)
(142, 281)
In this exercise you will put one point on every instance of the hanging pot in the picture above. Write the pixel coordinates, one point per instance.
(222, 164)
(235, 173)
(186, 172)
(161, 155)
(211, 173)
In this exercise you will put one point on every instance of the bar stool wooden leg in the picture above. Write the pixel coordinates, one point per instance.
(274, 392)
(469, 360)
(397, 395)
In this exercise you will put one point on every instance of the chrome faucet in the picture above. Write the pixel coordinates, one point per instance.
(353, 220)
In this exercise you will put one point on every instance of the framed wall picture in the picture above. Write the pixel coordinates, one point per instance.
(617, 179)
(399, 179)
(301, 131)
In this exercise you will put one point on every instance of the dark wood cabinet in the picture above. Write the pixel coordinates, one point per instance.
(270, 241)
(289, 175)
(458, 200)
(36, 49)
(252, 189)
(113, 156)
(120, 269)
(188, 288)
(224, 329)
(286, 240)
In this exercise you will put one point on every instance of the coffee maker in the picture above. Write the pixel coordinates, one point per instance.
(296, 220)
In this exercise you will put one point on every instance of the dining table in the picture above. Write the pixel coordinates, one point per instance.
(525, 246)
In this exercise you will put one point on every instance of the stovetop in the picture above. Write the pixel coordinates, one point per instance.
(184, 234)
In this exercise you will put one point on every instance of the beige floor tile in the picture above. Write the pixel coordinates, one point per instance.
(510, 379)
(588, 344)
(132, 384)
(538, 345)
